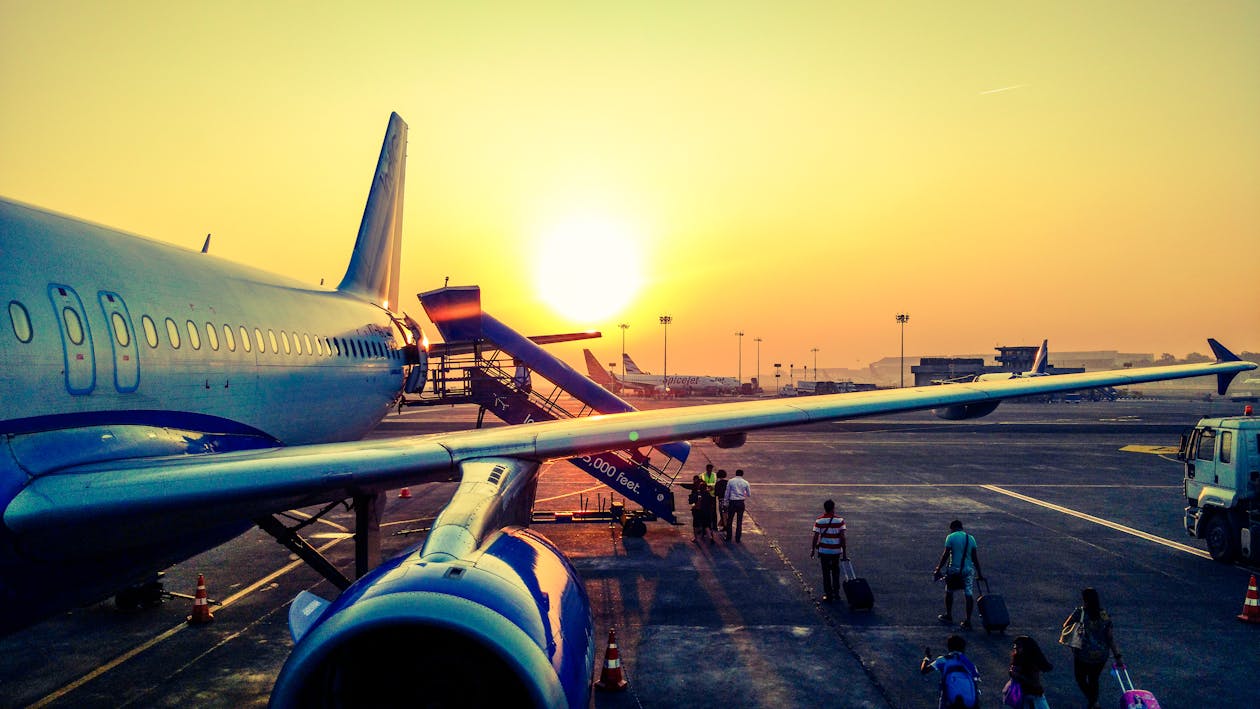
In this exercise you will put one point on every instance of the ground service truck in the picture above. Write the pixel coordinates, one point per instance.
(1222, 485)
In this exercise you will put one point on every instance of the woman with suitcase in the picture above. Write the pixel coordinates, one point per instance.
(1088, 632)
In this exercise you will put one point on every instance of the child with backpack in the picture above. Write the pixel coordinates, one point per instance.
(960, 682)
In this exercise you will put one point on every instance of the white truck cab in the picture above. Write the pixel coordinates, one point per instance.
(1222, 485)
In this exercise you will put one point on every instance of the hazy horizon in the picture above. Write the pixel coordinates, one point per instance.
(800, 172)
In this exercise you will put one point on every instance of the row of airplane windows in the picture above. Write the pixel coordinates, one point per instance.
(299, 344)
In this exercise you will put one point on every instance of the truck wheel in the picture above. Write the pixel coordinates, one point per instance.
(1222, 541)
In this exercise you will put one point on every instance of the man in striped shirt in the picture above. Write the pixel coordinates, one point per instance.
(830, 547)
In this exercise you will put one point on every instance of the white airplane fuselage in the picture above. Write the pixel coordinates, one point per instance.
(121, 330)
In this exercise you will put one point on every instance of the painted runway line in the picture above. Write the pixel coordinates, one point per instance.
(1098, 520)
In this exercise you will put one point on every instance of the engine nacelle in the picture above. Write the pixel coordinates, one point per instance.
(730, 440)
(962, 412)
(509, 625)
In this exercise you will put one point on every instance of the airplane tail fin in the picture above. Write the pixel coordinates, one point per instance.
(1042, 358)
(373, 269)
(596, 371)
(1223, 355)
(630, 366)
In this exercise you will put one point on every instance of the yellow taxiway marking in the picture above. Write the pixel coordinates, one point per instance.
(58, 694)
(1157, 450)
(1098, 520)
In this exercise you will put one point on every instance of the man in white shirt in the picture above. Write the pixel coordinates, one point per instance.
(737, 491)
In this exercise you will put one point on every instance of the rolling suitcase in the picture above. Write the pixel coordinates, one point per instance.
(856, 591)
(1133, 698)
(993, 613)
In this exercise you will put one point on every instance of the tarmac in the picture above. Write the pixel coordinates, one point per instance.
(1058, 496)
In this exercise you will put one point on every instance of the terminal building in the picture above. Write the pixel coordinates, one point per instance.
(935, 370)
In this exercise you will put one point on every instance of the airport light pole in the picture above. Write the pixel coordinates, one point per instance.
(758, 341)
(624, 326)
(815, 351)
(903, 318)
(665, 321)
(739, 367)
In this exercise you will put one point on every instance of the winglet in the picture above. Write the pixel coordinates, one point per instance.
(373, 269)
(1223, 355)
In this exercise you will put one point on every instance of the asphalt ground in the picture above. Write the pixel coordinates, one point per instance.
(1053, 500)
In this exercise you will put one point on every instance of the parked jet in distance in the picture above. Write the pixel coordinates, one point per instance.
(159, 401)
(646, 384)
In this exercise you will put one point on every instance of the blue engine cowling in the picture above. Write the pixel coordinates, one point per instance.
(508, 626)
(962, 412)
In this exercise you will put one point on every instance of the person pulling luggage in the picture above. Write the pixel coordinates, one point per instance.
(830, 547)
(961, 573)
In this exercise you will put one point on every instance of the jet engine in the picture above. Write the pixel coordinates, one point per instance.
(507, 625)
(962, 412)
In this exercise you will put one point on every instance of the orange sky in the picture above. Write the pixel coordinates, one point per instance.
(801, 172)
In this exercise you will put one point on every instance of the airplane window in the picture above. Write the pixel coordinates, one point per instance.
(297, 344)
(306, 337)
(259, 339)
(319, 346)
(21, 321)
(121, 332)
(229, 338)
(194, 336)
(284, 337)
(212, 336)
(244, 339)
(172, 333)
(74, 326)
(328, 346)
(271, 335)
(150, 330)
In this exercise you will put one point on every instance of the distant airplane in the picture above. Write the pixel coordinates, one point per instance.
(640, 382)
(159, 401)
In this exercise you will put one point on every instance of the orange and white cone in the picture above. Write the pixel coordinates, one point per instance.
(1251, 605)
(404, 494)
(612, 679)
(201, 607)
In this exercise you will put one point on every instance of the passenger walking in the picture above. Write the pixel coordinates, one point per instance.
(830, 546)
(701, 504)
(961, 573)
(1088, 632)
(1027, 664)
(959, 679)
(737, 493)
(719, 492)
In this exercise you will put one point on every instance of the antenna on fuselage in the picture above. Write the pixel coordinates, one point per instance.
(205, 248)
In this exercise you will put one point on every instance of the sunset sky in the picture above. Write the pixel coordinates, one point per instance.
(799, 171)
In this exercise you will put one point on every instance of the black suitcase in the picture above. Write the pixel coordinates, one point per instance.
(993, 613)
(856, 591)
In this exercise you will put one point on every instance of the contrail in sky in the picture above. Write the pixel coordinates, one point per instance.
(1004, 88)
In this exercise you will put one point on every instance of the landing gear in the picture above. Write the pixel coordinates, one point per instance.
(146, 595)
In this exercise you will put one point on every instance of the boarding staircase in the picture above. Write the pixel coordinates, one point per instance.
(486, 363)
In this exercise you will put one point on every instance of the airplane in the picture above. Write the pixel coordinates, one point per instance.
(1038, 369)
(159, 401)
(647, 384)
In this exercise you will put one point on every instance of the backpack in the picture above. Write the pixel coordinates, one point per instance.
(958, 686)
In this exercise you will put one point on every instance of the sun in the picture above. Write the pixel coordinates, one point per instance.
(587, 267)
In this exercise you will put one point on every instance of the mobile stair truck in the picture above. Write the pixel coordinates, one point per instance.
(1222, 482)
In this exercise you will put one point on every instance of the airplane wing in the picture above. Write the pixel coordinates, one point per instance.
(129, 496)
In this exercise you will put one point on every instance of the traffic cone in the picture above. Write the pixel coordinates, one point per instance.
(404, 494)
(612, 679)
(201, 608)
(1251, 605)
